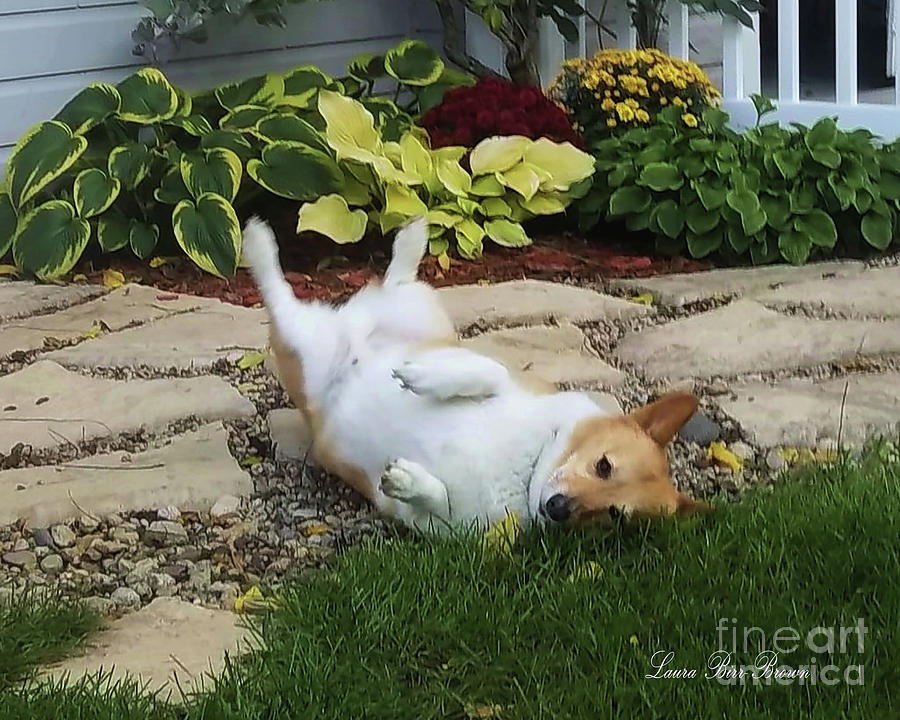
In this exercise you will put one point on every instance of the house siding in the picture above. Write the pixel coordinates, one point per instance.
(50, 49)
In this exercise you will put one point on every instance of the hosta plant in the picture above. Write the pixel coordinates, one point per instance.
(466, 196)
(768, 194)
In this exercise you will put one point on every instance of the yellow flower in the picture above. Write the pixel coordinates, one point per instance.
(608, 104)
(642, 116)
(616, 93)
(655, 87)
(624, 112)
(611, 123)
(689, 120)
(664, 100)
(677, 101)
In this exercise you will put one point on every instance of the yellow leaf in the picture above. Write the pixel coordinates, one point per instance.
(721, 455)
(79, 277)
(250, 461)
(316, 529)
(113, 278)
(806, 456)
(642, 299)
(9, 270)
(501, 536)
(444, 261)
(590, 570)
(634, 641)
(251, 359)
(478, 711)
(246, 387)
(94, 332)
(159, 261)
(254, 601)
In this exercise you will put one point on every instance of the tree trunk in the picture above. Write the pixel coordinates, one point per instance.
(521, 51)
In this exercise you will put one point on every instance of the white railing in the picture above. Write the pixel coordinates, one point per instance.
(741, 63)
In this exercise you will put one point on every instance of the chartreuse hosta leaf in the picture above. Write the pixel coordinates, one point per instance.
(209, 232)
(469, 237)
(522, 178)
(264, 90)
(416, 160)
(301, 85)
(442, 218)
(143, 238)
(349, 128)
(506, 233)
(8, 222)
(94, 192)
(331, 216)
(212, 171)
(497, 207)
(488, 186)
(452, 176)
(90, 107)
(129, 164)
(544, 203)
(50, 239)
(44, 153)
(295, 171)
(561, 165)
(147, 97)
(113, 231)
(413, 62)
(290, 128)
(497, 154)
(401, 200)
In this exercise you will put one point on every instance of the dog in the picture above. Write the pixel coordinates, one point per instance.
(438, 436)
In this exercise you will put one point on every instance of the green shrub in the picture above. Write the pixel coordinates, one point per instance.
(770, 192)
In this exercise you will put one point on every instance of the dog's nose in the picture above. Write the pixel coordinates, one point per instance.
(557, 508)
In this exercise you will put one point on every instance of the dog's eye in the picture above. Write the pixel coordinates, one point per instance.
(604, 468)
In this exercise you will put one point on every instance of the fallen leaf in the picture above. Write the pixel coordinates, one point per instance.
(316, 529)
(807, 456)
(477, 711)
(9, 270)
(590, 570)
(444, 261)
(80, 277)
(721, 455)
(94, 332)
(253, 601)
(159, 261)
(246, 387)
(251, 359)
(634, 641)
(113, 278)
(250, 461)
(501, 536)
(642, 299)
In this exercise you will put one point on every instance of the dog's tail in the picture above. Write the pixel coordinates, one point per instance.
(409, 249)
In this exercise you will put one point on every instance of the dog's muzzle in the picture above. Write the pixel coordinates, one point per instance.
(557, 508)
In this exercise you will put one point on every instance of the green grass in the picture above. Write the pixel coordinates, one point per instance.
(415, 629)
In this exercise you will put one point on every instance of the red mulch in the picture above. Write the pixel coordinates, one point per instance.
(334, 272)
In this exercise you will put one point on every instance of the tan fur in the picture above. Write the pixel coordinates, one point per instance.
(639, 482)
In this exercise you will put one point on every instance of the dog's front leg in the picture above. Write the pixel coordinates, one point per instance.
(452, 374)
(410, 483)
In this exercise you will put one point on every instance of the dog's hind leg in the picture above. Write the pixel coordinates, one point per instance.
(409, 483)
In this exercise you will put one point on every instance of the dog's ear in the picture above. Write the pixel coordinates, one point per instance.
(686, 505)
(663, 418)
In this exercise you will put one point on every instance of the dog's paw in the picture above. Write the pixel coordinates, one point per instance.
(412, 377)
(398, 481)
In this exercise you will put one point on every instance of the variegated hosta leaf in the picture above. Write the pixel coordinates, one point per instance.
(522, 178)
(44, 153)
(185, 104)
(413, 62)
(143, 238)
(94, 192)
(296, 171)
(263, 90)
(90, 107)
(130, 164)
(331, 216)
(230, 139)
(401, 200)
(497, 154)
(50, 239)
(212, 171)
(366, 67)
(284, 126)
(469, 237)
(244, 118)
(195, 125)
(562, 163)
(172, 189)
(301, 85)
(8, 222)
(113, 231)
(506, 233)
(147, 97)
(209, 233)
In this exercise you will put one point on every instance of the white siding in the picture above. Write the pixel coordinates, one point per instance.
(50, 49)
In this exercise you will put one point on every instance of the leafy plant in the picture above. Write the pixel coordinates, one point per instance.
(619, 89)
(143, 162)
(771, 193)
(493, 107)
(466, 196)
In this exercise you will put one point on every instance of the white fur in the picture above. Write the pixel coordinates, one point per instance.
(445, 435)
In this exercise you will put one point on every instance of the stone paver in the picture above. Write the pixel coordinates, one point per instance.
(166, 644)
(873, 293)
(746, 337)
(44, 405)
(799, 413)
(125, 306)
(554, 354)
(19, 299)
(191, 473)
(191, 340)
(532, 302)
(685, 288)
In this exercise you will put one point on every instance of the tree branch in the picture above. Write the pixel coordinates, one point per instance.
(455, 41)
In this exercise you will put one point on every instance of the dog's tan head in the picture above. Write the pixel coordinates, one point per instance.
(618, 467)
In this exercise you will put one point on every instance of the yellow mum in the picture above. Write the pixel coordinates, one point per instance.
(689, 120)
(608, 104)
(624, 112)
